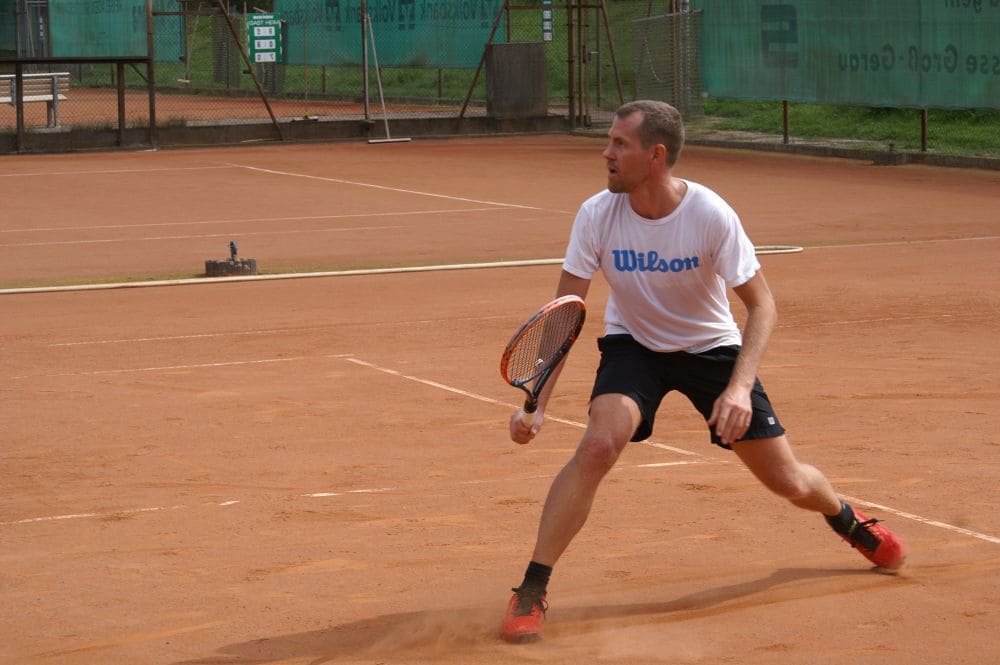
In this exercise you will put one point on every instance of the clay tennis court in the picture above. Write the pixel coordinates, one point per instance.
(317, 470)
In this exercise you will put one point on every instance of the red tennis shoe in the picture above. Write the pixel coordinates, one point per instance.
(525, 613)
(875, 541)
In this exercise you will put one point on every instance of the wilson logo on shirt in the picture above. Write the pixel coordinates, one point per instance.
(629, 260)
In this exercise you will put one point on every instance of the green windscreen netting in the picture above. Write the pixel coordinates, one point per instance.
(8, 34)
(85, 28)
(97, 28)
(408, 33)
(897, 53)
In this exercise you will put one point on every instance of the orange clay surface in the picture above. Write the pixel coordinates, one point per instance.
(318, 470)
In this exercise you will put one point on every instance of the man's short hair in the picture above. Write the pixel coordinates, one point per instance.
(661, 123)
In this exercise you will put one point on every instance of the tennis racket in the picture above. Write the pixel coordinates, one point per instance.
(539, 345)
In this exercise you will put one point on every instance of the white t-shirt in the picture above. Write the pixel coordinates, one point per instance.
(668, 276)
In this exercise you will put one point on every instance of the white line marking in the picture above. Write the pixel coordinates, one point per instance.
(486, 481)
(281, 232)
(174, 338)
(483, 398)
(200, 281)
(924, 520)
(278, 331)
(490, 400)
(376, 490)
(107, 171)
(854, 322)
(376, 271)
(385, 188)
(427, 382)
(251, 220)
(671, 448)
(132, 511)
(116, 513)
(893, 243)
(166, 368)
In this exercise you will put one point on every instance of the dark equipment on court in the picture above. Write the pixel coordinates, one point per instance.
(233, 266)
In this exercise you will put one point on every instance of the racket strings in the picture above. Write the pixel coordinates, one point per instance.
(542, 342)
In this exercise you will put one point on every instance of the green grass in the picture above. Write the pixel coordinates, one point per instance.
(969, 133)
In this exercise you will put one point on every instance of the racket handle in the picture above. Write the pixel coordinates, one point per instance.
(528, 414)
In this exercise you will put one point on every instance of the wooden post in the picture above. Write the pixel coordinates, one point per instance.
(784, 121)
(923, 130)
(120, 66)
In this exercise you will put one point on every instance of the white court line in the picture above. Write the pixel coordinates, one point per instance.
(483, 398)
(199, 281)
(855, 322)
(896, 243)
(490, 400)
(377, 490)
(80, 516)
(168, 368)
(251, 220)
(47, 174)
(277, 331)
(389, 189)
(894, 511)
(227, 234)
(345, 273)
(486, 481)
(924, 520)
(310, 495)
(175, 338)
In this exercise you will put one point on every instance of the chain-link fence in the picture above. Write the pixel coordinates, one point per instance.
(665, 60)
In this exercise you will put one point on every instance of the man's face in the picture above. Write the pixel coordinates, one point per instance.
(627, 161)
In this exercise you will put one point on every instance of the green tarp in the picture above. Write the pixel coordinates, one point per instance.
(894, 53)
(408, 33)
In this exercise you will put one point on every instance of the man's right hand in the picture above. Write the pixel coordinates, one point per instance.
(521, 433)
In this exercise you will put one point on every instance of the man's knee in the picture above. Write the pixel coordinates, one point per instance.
(791, 484)
(597, 453)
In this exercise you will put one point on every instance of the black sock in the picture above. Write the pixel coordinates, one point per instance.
(843, 521)
(536, 577)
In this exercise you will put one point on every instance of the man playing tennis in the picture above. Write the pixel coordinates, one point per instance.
(669, 249)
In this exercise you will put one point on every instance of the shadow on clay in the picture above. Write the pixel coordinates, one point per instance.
(456, 633)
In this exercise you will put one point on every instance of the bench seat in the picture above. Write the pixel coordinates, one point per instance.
(48, 87)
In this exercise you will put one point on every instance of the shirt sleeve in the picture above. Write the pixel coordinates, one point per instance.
(582, 256)
(737, 258)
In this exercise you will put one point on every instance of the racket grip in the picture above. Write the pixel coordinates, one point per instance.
(528, 414)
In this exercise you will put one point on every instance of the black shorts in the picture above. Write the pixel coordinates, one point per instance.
(647, 376)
